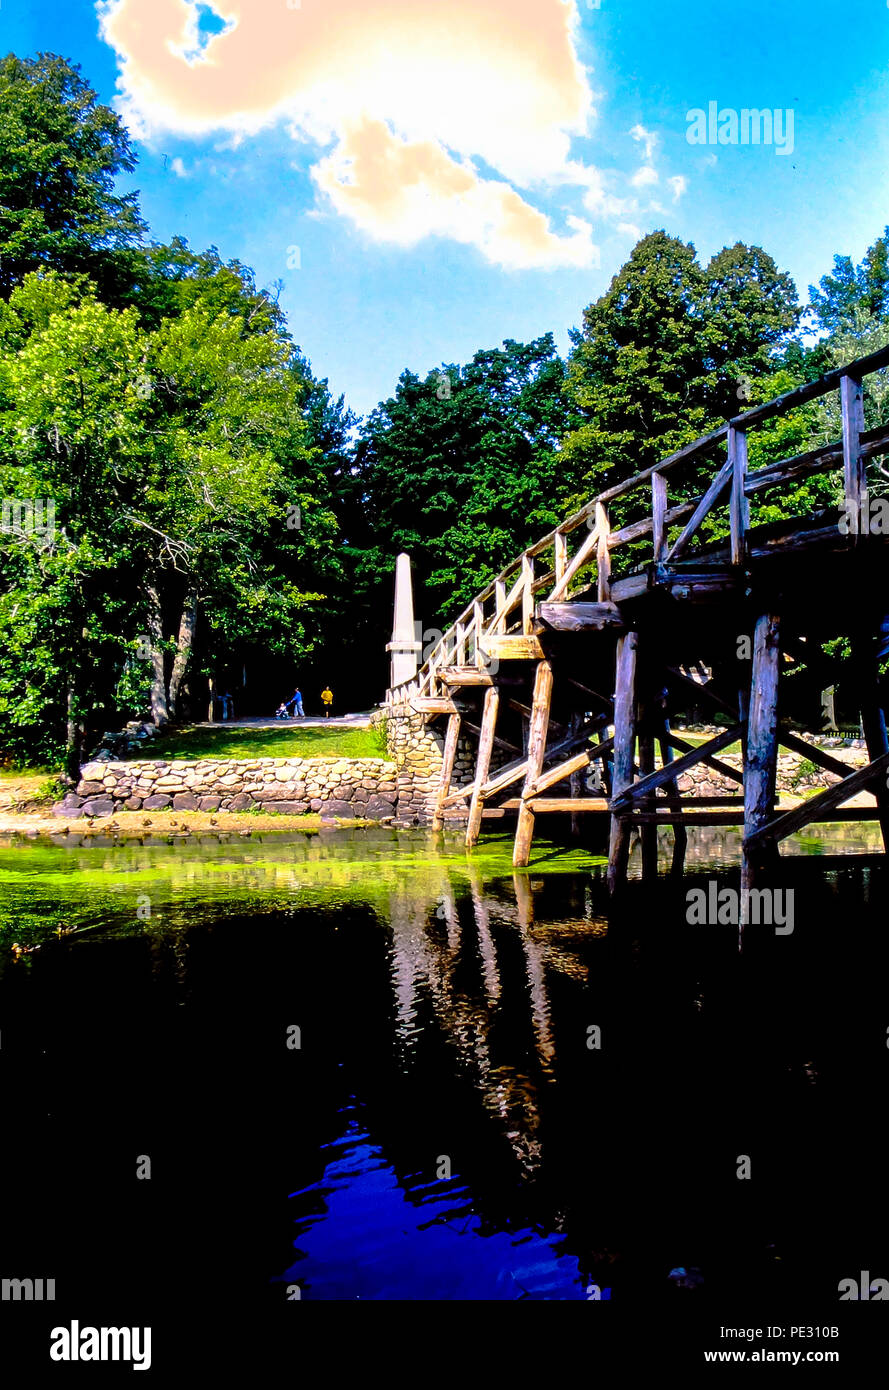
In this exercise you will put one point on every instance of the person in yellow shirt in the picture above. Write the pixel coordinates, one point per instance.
(327, 700)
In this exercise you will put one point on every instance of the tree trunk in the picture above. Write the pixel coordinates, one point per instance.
(187, 624)
(158, 683)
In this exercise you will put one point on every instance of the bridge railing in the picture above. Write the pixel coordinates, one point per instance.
(583, 545)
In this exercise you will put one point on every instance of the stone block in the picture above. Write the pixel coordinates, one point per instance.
(98, 806)
(209, 803)
(186, 801)
(159, 802)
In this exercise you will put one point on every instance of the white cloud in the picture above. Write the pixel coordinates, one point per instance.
(179, 168)
(644, 176)
(647, 138)
(678, 184)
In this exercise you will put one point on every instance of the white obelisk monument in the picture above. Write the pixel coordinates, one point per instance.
(404, 648)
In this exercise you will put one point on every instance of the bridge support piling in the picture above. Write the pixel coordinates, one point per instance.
(873, 721)
(483, 764)
(447, 768)
(760, 754)
(624, 741)
(537, 731)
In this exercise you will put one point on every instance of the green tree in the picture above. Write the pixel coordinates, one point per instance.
(461, 470)
(669, 351)
(61, 151)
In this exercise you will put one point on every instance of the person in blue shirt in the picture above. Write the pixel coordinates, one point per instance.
(296, 700)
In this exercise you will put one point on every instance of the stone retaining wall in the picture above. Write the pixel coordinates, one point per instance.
(357, 787)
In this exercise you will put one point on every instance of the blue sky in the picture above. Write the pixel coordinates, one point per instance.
(470, 170)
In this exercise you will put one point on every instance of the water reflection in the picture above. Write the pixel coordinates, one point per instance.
(446, 1130)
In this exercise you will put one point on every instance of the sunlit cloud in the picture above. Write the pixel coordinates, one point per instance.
(449, 118)
(498, 81)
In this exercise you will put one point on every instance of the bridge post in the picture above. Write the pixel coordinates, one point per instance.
(537, 731)
(760, 751)
(624, 741)
(483, 764)
(873, 721)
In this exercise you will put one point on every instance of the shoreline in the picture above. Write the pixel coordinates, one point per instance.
(125, 825)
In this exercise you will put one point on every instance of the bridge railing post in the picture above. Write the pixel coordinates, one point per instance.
(603, 554)
(854, 471)
(739, 507)
(659, 516)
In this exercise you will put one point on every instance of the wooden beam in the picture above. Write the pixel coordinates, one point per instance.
(566, 803)
(603, 554)
(739, 507)
(574, 616)
(464, 675)
(659, 515)
(499, 742)
(854, 473)
(518, 648)
(543, 687)
(709, 499)
(725, 769)
(633, 793)
(815, 755)
(575, 764)
(527, 593)
(483, 763)
(447, 767)
(432, 704)
(583, 557)
(873, 721)
(818, 808)
(624, 741)
(760, 752)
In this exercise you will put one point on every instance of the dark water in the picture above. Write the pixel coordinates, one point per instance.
(444, 1130)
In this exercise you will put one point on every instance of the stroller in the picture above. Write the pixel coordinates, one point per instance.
(281, 712)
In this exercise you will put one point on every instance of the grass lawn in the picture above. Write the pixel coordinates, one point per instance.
(265, 743)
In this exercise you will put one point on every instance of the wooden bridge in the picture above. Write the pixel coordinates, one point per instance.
(577, 656)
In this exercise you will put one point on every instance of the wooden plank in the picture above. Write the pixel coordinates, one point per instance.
(512, 648)
(527, 593)
(447, 767)
(463, 675)
(432, 704)
(854, 474)
(820, 460)
(760, 753)
(632, 794)
(508, 604)
(873, 722)
(499, 623)
(543, 687)
(696, 446)
(575, 764)
(659, 515)
(810, 390)
(624, 743)
(739, 508)
(560, 546)
(577, 616)
(583, 557)
(566, 803)
(709, 500)
(814, 754)
(603, 554)
(820, 807)
(499, 742)
(725, 769)
(483, 763)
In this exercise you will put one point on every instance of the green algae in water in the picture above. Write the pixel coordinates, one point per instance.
(133, 887)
